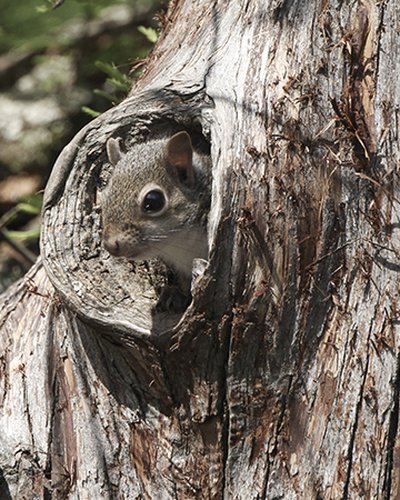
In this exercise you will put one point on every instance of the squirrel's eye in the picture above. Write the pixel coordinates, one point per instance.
(153, 201)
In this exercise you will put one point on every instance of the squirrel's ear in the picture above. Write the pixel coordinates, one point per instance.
(113, 150)
(179, 153)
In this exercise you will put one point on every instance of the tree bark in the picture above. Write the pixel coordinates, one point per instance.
(281, 379)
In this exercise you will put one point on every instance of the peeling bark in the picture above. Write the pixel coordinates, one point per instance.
(281, 380)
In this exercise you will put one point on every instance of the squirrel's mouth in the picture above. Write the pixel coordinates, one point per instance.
(142, 251)
(121, 248)
(136, 253)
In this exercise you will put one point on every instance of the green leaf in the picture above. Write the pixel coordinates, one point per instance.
(30, 204)
(42, 9)
(91, 112)
(106, 95)
(51, 4)
(150, 33)
(31, 234)
(27, 208)
(110, 69)
(124, 86)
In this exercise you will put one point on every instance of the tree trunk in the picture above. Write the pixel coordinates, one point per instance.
(281, 379)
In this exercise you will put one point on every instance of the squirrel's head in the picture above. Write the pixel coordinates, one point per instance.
(151, 206)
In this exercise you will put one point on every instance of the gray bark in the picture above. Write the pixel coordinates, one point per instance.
(282, 378)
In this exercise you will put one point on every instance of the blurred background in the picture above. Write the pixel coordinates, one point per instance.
(62, 62)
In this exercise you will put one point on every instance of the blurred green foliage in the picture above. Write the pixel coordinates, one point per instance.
(150, 33)
(118, 84)
(33, 24)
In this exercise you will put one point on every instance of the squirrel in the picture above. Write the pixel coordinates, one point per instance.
(156, 204)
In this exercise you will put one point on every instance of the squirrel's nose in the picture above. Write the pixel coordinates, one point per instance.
(112, 245)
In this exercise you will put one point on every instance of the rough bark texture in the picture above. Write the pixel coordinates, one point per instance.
(282, 378)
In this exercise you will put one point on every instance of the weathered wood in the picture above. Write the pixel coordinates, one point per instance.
(282, 378)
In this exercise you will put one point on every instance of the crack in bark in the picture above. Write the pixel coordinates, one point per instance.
(26, 404)
(350, 451)
(279, 427)
(379, 32)
(225, 418)
(392, 434)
